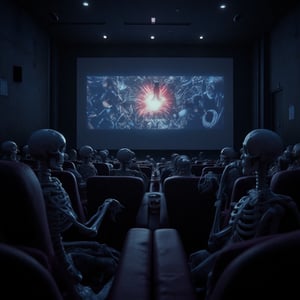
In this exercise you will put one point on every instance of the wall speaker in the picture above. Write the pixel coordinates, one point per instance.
(17, 73)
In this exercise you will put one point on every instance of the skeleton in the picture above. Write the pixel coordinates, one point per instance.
(126, 158)
(9, 150)
(87, 168)
(222, 204)
(259, 213)
(47, 146)
(210, 182)
(295, 157)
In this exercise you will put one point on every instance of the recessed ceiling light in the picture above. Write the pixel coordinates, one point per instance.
(104, 36)
(201, 37)
(85, 3)
(152, 37)
(223, 6)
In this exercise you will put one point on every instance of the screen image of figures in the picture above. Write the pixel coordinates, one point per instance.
(168, 103)
(155, 102)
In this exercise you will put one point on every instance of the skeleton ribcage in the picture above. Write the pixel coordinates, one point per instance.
(60, 214)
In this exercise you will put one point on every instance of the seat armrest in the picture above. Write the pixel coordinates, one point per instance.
(172, 277)
(153, 212)
(133, 279)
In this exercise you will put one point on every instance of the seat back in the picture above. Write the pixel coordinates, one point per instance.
(218, 170)
(102, 168)
(265, 270)
(23, 218)
(190, 211)
(23, 277)
(196, 169)
(286, 182)
(128, 190)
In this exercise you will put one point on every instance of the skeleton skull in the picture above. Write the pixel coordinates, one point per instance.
(125, 155)
(86, 153)
(9, 150)
(48, 145)
(260, 146)
(228, 154)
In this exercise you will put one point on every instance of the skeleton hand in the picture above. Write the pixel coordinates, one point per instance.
(114, 207)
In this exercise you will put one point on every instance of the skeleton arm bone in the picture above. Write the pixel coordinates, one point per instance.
(111, 206)
(91, 227)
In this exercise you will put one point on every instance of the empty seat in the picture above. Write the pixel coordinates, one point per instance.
(196, 169)
(102, 168)
(128, 190)
(190, 211)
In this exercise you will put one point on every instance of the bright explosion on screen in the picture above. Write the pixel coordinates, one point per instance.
(154, 102)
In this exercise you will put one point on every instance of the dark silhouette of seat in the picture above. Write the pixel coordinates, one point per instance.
(287, 182)
(24, 277)
(102, 168)
(128, 190)
(23, 219)
(265, 270)
(196, 169)
(67, 164)
(147, 170)
(190, 211)
(218, 170)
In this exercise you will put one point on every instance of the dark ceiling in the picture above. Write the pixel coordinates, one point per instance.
(177, 22)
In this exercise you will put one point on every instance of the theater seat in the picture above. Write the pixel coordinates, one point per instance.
(286, 182)
(23, 220)
(129, 191)
(24, 277)
(102, 168)
(190, 212)
(24, 227)
(153, 266)
(266, 270)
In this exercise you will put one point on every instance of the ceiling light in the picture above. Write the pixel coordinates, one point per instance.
(222, 6)
(104, 36)
(153, 20)
(152, 37)
(85, 3)
(201, 37)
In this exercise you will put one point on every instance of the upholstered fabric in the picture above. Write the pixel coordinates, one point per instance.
(190, 211)
(129, 191)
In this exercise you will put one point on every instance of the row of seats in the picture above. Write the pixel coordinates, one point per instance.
(155, 252)
(155, 234)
